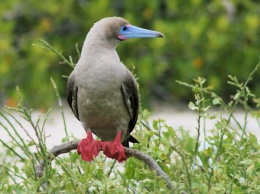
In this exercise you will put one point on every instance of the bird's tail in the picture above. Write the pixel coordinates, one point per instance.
(130, 139)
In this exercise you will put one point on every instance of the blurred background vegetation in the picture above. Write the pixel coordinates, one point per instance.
(212, 39)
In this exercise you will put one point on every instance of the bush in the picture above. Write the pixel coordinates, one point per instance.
(224, 160)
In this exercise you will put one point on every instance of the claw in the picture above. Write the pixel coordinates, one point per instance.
(88, 148)
(115, 149)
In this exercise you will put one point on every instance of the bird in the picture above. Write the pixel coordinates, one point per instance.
(103, 93)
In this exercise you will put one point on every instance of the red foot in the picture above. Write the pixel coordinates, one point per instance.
(115, 149)
(88, 148)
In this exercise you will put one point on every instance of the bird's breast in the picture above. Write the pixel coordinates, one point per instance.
(102, 108)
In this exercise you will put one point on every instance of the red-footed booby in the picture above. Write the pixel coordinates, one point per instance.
(102, 92)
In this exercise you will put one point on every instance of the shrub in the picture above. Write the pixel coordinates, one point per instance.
(223, 160)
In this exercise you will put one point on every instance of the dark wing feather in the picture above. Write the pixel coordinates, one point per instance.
(72, 91)
(130, 93)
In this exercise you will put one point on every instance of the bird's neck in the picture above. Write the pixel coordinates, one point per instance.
(97, 53)
(97, 46)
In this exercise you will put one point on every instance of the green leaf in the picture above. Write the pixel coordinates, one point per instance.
(192, 106)
(257, 164)
(216, 101)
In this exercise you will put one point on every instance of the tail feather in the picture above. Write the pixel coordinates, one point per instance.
(130, 139)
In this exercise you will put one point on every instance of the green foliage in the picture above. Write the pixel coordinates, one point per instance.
(223, 160)
(202, 38)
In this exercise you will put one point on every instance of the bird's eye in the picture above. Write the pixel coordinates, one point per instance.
(124, 28)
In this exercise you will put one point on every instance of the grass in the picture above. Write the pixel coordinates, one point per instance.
(225, 159)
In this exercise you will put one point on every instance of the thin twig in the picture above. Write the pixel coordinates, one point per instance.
(185, 165)
(49, 47)
(111, 168)
(61, 107)
(67, 147)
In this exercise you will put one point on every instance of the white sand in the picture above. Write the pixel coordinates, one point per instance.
(174, 117)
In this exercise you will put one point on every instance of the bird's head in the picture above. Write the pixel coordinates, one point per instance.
(116, 29)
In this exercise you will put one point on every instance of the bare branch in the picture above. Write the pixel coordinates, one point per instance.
(67, 147)
(151, 163)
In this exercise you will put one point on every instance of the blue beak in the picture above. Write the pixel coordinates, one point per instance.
(129, 31)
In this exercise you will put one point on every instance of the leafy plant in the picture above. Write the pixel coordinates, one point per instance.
(224, 159)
